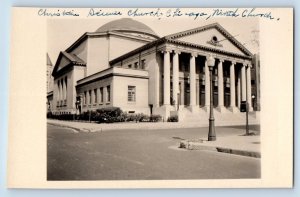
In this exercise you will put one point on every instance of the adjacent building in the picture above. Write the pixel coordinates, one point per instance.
(125, 64)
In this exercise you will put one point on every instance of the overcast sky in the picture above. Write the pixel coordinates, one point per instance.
(61, 33)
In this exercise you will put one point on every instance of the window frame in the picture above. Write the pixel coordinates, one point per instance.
(108, 94)
(131, 93)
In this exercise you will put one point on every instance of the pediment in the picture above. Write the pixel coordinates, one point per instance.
(65, 59)
(62, 61)
(213, 36)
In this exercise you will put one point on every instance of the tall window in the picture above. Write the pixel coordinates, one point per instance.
(58, 92)
(131, 93)
(90, 96)
(136, 65)
(84, 98)
(108, 93)
(101, 95)
(66, 88)
(143, 64)
(95, 96)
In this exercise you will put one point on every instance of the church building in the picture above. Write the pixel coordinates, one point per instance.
(125, 64)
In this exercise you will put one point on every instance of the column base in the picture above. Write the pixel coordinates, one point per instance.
(222, 109)
(165, 111)
(250, 109)
(193, 108)
(234, 109)
(206, 108)
(181, 107)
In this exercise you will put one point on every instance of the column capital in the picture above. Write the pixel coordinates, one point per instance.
(221, 60)
(233, 62)
(194, 54)
(165, 50)
(177, 51)
(246, 64)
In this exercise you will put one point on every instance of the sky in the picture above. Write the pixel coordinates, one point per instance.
(61, 33)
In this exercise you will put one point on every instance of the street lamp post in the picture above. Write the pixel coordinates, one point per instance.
(211, 133)
(247, 105)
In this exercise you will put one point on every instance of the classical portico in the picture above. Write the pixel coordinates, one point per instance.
(185, 75)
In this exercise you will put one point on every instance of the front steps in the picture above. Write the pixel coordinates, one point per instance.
(223, 118)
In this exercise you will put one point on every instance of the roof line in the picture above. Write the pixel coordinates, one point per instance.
(190, 31)
(170, 38)
(209, 26)
(137, 50)
(165, 39)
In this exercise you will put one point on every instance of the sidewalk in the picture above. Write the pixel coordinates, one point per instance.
(235, 144)
(94, 127)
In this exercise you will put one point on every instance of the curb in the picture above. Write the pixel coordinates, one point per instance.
(189, 145)
(69, 127)
(239, 152)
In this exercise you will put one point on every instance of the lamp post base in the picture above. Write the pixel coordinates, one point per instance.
(212, 133)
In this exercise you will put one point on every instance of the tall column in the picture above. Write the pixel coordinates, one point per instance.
(207, 87)
(98, 95)
(193, 80)
(239, 89)
(175, 77)
(166, 77)
(243, 78)
(220, 86)
(87, 98)
(232, 88)
(249, 87)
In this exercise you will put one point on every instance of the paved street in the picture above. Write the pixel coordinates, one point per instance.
(142, 155)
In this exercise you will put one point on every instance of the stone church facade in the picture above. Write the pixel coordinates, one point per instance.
(125, 64)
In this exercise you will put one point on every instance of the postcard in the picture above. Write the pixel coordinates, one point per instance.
(151, 98)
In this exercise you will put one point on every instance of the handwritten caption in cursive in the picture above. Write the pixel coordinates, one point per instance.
(160, 13)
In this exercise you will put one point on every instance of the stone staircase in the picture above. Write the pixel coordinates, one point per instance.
(225, 118)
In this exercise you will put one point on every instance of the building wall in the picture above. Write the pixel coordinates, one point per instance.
(120, 94)
(97, 57)
(78, 73)
(100, 50)
(152, 60)
(103, 83)
(121, 45)
(82, 50)
(57, 107)
(73, 75)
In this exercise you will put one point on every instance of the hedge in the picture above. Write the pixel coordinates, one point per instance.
(173, 118)
(107, 115)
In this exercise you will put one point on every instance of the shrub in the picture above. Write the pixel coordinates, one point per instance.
(173, 118)
(155, 118)
(144, 118)
(66, 116)
(109, 115)
(50, 115)
(130, 117)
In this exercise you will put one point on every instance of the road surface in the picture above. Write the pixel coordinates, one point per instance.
(141, 155)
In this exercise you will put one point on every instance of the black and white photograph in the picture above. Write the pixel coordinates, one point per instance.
(124, 98)
(143, 99)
